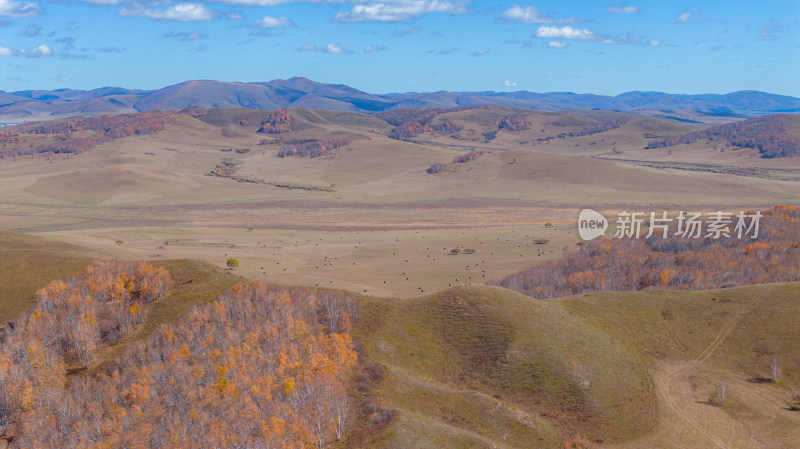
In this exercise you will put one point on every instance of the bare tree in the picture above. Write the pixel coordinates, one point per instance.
(774, 368)
(341, 410)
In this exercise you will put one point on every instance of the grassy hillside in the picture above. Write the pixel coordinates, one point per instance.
(29, 263)
(484, 367)
(453, 356)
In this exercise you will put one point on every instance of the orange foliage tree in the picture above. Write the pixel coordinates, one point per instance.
(632, 264)
(261, 367)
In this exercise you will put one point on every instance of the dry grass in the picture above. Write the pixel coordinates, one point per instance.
(468, 367)
(394, 262)
(637, 368)
(29, 263)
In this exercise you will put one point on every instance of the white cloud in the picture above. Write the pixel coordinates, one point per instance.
(11, 8)
(329, 48)
(62, 78)
(182, 12)
(481, 52)
(335, 48)
(193, 36)
(449, 51)
(566, 32)
(374, 48)
(771, 30)
(414, 30)
(530, 14)
(274, 22)
(398, 10)
(31, 31)
(263, 2)
(104, 2)
(683, 18)
(582, 34)
(508, 83)
(622, 8)
(42, 51)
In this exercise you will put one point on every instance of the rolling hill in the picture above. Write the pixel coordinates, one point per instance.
(774, 136)
(623, 370)
(481, 367)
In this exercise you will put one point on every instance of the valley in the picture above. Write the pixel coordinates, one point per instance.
(420, 230)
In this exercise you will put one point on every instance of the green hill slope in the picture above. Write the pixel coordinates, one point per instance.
(485, 367)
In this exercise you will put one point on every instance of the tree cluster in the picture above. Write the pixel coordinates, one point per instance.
(69, 324)
(436, 168)
(600, 127)
(674, 262)
(225, 169)
(409, 123)
(106, 128)
(471, 156)
(261, 367)
(314, 148)
(277, 122)
(767, 134)
(513, 122)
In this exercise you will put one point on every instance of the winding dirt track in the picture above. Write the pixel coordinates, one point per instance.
(687, 421)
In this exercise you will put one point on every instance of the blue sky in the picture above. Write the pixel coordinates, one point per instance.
(386, 46)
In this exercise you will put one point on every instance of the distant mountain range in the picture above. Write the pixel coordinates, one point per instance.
(304, 93)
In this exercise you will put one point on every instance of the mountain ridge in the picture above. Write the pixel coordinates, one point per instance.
(299, 92)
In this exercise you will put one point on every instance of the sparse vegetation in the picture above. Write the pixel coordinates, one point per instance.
(767, 134)
(316, 148)
(227, 169)
(81, 134)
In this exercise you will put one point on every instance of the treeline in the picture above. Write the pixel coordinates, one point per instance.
(225, 169)
(277, 122)
(600, 127)
(471, 156)
(513, 122)
(106, 128)
(767, 134)
(313, 148)
(409, 123)
(261, 367)
(460, 159)
(631, 264)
